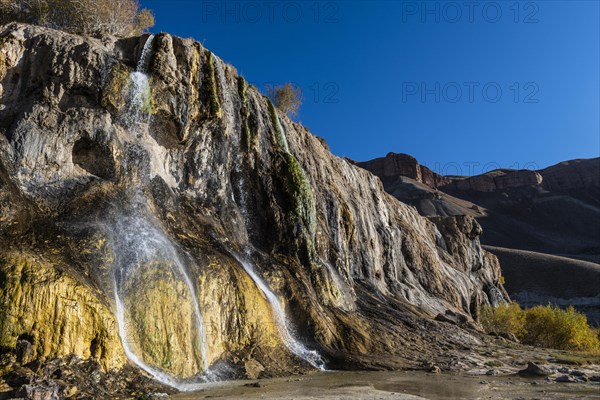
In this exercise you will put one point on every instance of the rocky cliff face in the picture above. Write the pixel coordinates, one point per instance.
(553, 210)
(497, 180)
(542, 225)
(394, 165)
(570, 175)
(156, 208)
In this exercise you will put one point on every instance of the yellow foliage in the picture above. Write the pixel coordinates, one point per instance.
(506, 318)
(552, 327)
(287, 98)
(542, 326)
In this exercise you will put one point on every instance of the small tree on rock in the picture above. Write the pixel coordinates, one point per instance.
(287, 98)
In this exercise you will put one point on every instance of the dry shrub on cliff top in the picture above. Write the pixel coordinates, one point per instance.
(542, 326)
(287, 98)
(85, 17)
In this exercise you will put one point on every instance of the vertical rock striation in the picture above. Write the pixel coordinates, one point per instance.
(359, 274)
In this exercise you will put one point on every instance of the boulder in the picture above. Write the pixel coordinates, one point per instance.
(253, 368)
(565, 379)
(534, 370)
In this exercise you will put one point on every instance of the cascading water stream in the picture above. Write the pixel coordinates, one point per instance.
(139, 96)
(141, 245)
(296, 347)
(310, 356)
(138, 242)
(142, 64)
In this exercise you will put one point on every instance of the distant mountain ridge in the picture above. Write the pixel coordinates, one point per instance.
(552, 212)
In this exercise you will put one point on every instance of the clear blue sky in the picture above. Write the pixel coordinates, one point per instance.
(420, 78)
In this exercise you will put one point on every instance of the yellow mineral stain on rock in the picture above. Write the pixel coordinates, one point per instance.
(113, 93)
(237, 314)
(61, 315)
(160, 322)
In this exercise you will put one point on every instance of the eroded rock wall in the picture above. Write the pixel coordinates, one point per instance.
(224, 175)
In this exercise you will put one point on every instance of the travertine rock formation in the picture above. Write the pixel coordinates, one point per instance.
(169, 203)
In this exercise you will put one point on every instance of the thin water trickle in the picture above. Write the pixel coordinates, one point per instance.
(310, 356)
(295, 346)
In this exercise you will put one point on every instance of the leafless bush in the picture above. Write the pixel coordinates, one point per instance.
(86, 17)
(287, 98)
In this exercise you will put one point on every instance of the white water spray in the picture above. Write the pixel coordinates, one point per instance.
(310, 356)
(139, 93)
(138, 241)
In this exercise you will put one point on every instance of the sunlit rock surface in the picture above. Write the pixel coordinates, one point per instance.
(138, 208)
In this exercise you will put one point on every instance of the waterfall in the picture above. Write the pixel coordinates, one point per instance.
(137, 242)
(142, 65)
(139, 93)
(143, 250)
(310, 356)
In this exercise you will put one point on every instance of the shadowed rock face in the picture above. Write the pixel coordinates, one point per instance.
(554, 210)
(572, 175)
(497, 180)
(219, 174)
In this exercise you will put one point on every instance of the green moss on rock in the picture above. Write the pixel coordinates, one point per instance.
(300, 195)
(113, 92)
(248, 137)
(211, 80)
(279, 133)
(148, 104)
